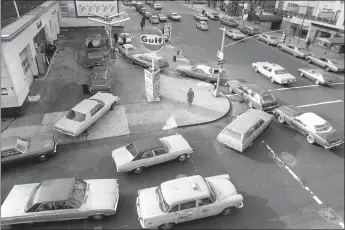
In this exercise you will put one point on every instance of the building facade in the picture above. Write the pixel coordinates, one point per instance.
(22, 51)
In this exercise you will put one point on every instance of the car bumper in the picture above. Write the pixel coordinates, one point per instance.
(269, 108)
(95, 64)
(334, 145)
(287, 81)
(65, 132)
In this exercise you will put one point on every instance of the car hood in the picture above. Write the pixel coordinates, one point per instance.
(184, 67)
(148, 203)
(97, 60)
(121, 156)
(68, 125)
(223, 187)
(289, 110)
(332, 135)
(40, 143)
(100, 82)
(285, 76)
(177, 143)
(102, 194)
(15, 202)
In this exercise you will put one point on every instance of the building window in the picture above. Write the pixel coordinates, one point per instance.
(4, 91)
(26, 65)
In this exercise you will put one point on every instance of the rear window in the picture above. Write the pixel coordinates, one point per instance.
(76, 116)
(233, 134)
(267, 97)
(131, 148)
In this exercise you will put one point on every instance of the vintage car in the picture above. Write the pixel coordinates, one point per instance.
(294, 50)
(200, 17)
(87, 112)
(147, 14)
(162, 18)
(95, 38)
(226, 20)
(251, 31)
(99, 80)
(60, 199)
(93, 57)
(256, 97)
(138, 6)
(174, 16)
(202, 72)
(235, 34)
(202, 25)
(328, 64)
(145, 60)
(149, 2)
(212, 15)
(241, 133)
(39, 147)
(126, 50)
(157, 6)
(150, 151)
(274, 72)
(269, 39)
(315, 128)
(125, 36)
(154, 19)
(185, 199)
(316, 76)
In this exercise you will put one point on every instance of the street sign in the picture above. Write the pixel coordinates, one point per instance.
(220, 55)
(221, 62)
(152, 39)
(167, 31)
(152, 83)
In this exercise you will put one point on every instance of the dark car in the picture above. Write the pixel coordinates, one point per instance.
(99, 80)
(147, 14)
(145, 60)
(226, 20)
(138, 6)
(154, 19)
(251, 31)
(162, 18)
(94, 57)
(256, 97)
(39, 147)
(142, 10)
(316, 129)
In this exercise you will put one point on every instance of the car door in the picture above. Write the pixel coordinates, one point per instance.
(323, 62)
(162, 155)
(148, 158)
(248, 138)
(311, 75)
(269, 72)
(188, 211)
(254, 98)
(95, 113)
(207, 207)
(290, 49)
(203, 75)
(245, 94)
(10, 155)
(45, 212)
(65, 212)
(298, 125)
(195, 72)
(263, 70)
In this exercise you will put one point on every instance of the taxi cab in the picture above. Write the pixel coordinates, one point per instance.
(185, 199)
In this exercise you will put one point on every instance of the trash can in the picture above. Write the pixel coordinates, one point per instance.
(85, 89)
(174, 58)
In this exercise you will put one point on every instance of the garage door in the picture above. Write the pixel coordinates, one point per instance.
(26, 66)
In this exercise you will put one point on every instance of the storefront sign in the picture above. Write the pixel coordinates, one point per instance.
(107, 8)
(152, 39)
(167, 31)
(152, 85)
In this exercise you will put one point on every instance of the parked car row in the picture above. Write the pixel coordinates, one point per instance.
(155, 19)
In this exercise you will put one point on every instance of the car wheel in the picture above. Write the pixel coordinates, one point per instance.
(228, 211)
(281, 119)
(86, 89)
(268, 43)
(258, 38)
(327, 68)
(317, 82)
(294, 55)
(112, 106)
(272, 80)
(231, 90)
(183, 74)
(98, 217)
(138, 170)
(301, 74)
(182, 157)
(166, 226)
(42, 157)
(310, 139)
(309, 60)
(207, 80)
(256, 69)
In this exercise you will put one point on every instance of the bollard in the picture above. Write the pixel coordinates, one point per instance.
(174, 58)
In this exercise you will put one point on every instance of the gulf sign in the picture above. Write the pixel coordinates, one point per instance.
(152, 39)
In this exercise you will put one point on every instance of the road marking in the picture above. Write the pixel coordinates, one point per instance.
(300, 87)
(321, 103)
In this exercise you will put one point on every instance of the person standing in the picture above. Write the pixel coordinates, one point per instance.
(307, 44)
(190, 97)
(142, 23)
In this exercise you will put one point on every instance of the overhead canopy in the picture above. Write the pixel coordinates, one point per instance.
(339, 40)
(270, 18)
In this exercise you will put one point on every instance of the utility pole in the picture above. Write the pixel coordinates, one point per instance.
(220, 63)
(15, 6)
(300, 29)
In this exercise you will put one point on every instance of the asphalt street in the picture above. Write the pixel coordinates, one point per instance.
(273, 197)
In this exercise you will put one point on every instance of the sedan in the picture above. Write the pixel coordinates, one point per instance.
(126, 50)
(157, 6)
(270, 40)
(174, 16)
(147, 14)
(212, 15)
(328, 64)
(316, 76)
(200, 17)
(95, 38)
(150, 151)
(154, 19)
(87, 112)
(274, 72)
(60, 199)
(142, 10)
(294, 50)
(235, 34)
(145, 60)
(162, 18)
(94, 57)
(39, 147)
(229, 21)
(99, 80)
(202, 72)
(256, 97)
(202, 25)
(316, 129)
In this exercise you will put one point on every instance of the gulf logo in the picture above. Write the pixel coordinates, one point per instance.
(152, 39)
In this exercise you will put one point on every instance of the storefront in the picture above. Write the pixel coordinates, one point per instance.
(323, 31)
(23, 51)
(299, 31)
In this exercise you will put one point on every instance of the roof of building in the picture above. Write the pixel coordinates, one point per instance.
(147, 144)
(54, 190)
(182, 189)
(247, 120)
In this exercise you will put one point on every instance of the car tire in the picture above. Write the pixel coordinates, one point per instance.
(112, 106)
(132, 62)
(228, 211)
(256, 69)
(327, 68)
(272, 80)
(183, 74)
(310, 139)
(42, 157)
(268, 43)
(166, 226)
(317, 82)
(258, 38)
(207, 80)
(98, 217)
(294, 55)
(138, 170)
(86, 89)
(182, 157)
(281, 119)
(301, 74)
(309, 60)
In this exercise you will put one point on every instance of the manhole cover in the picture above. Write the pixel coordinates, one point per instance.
(180, 176)
(288, 158)
(327, 214)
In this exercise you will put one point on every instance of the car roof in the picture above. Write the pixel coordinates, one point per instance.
(54, 190)
(85, 106)
(182, 189)
(205, 68)
(147, 144)
(311, 119)
(255, 88)
(246, 120)
(273, 65)
(99, 69)
(8, 143)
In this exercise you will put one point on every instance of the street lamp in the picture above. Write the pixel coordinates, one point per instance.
(221, 61)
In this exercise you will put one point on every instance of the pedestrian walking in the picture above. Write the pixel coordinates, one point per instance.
(116, 37)
(142, 23)
(190, 97)
(307, 44)
(203, 11)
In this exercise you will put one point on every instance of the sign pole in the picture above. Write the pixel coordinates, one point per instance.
(220, 65)
(153, 61)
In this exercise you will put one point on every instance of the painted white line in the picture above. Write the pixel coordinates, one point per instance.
(321, 103)
(230, 95)
(301, 87)
(341, 224)
(317, 200)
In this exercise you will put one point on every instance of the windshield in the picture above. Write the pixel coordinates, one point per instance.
(162, 203)
(267, 97)
(280, 71)
(274, 38)
(323, 128)
(212, 192)
(154, 17)
(233, 134)
(130, 148)
(32, 197)
(78, 193)
(166, 144)
(76, 116)
(174, 14)
(22, 144)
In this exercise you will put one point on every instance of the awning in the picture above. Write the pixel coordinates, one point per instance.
(270, 18)
(338, 41)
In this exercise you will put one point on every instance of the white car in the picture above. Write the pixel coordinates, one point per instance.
(157, 6)
(328, 64)
(87, 112)
(185, 199)
(274, 72)
(269, 39)
(200, 17)
(212, 15)
(151, 151)
(126, 50)
(202, 25)
(235, 34)
(174, 16)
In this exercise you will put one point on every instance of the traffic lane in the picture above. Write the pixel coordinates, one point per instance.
(92, 160)
(320, 170)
